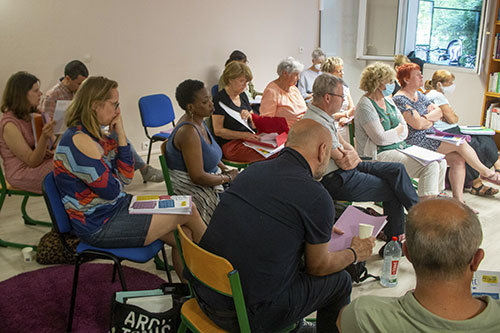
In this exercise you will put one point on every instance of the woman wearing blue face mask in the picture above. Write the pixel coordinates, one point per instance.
(439, 89)
(381, 130)
(420, 115)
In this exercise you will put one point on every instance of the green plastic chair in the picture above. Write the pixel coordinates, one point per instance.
(7, 190)
(164, 169)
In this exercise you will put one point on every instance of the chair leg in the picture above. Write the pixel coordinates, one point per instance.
(167, 270)
(118, 267)
(2, 199)
(182, 328)
(113, 277)
(27, 219)
(79, 260)
(149, 151)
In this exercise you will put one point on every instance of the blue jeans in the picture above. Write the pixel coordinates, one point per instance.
(139, 162)
(376, 181)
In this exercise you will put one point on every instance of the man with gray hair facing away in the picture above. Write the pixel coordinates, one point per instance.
(349, 179)
(444, 250)
(308, 76)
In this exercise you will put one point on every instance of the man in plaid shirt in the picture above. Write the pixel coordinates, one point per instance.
(75, 72)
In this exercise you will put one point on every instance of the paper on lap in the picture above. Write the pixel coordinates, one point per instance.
(236, 115)
(349, 222)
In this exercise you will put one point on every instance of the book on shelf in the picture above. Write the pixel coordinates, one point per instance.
(160, 204)
(486, 283)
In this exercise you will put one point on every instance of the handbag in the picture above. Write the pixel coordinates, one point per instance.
(156, 310)
(51, 249)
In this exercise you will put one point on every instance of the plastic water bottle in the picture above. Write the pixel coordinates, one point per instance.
(392, 254)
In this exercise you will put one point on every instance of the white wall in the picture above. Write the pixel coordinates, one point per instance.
(151, 46)
(340, 40)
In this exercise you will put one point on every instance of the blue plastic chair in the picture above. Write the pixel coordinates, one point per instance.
(156, 110)
(215, 90)
(86, 252)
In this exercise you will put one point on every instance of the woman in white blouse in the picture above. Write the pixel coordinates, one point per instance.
(381, 130)
(439, 88)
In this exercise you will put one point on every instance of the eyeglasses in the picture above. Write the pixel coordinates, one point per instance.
(332, 94)
(115, 104)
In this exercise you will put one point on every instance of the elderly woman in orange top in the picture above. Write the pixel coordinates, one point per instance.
(281, 97)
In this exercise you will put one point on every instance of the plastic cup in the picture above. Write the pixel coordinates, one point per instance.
(365, 230)
(27, 254)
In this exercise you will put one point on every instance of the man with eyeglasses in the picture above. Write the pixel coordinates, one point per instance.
(75, 72)
(348, 178)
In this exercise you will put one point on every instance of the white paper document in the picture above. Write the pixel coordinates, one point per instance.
(59, 112)
(236, 115)
(422, 155)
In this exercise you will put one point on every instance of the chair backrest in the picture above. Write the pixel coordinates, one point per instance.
(156, 110)
(52, 196)
(215, 90)
(213, 271)
(3, 182)
(164, 168)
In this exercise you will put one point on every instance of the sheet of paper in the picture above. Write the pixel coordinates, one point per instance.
(264, 151)
(349, 222)
(59, 112)
(236, 115)
(422, 155)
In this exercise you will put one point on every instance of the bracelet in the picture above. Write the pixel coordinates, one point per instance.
(355, 255)
(230, 179)
(221, 178)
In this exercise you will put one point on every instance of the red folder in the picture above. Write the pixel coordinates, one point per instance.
(270, 124)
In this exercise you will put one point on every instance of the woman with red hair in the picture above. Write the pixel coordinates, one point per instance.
(420, 114)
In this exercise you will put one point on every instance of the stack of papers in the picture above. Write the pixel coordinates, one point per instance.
(486, 283)
(264, 150)
(422, 155)
(476, 130)
(453, 139)
(349, 222)
(160, 204)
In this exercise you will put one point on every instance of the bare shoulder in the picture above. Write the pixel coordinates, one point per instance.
(87, 145)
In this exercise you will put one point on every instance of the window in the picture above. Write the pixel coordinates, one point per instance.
(442, 32)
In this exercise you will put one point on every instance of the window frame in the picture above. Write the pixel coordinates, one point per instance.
(405, 37)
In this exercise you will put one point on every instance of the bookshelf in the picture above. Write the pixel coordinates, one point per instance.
(493, 67)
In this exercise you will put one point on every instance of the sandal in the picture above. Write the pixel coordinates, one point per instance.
(483, 191)
(494, 178)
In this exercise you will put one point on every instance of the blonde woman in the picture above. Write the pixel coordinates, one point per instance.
(381, 130)
(335, 66)
(230, 133)
(440, 88)
(91, 170)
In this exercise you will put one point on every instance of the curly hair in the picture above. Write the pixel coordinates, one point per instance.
(375, 74)
(331, 64)
(185, 93)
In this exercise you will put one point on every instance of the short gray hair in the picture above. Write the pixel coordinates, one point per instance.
(317, 53)
(442, 236)
(324, 84)
(289, 65)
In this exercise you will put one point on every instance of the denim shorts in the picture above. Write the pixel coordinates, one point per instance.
(121, 230)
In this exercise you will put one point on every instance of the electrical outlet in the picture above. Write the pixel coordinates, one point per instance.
(145, 145)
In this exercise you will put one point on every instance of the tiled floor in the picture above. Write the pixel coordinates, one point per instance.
(12, 228)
